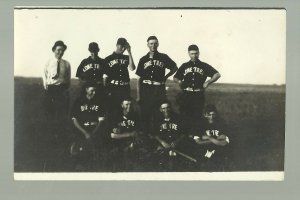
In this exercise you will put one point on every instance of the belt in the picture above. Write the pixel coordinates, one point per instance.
(189, 89)
(119, 82)
(152, 82)
(90, 123)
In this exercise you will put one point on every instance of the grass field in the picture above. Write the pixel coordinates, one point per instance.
(255, 115)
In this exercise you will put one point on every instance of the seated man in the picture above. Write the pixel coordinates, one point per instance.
(211, 139)
(88, 119)
(169, 133)
(126, 138)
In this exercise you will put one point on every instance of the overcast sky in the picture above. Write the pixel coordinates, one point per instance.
(245, 46)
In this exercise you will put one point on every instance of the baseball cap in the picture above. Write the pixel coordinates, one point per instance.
(59, 43)
(193, 47)
(152, 38)
(122, 41)
(93, 47)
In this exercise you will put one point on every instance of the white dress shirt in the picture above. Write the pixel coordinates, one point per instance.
(50, 72)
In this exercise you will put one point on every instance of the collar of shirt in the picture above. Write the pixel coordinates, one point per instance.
(195, 62)
(155, 55)
(97, 59)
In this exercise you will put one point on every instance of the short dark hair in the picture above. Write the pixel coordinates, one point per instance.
(210, 108)
(164, 101)
(193, 47)
(152, 38)
(128, 98)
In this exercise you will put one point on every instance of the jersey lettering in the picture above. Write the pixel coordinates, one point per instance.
(154, 63)
(212, 132)
(90, 66)
(193, 69)
(89, 108)
(127, 123)
(169, 126)
(117, 61)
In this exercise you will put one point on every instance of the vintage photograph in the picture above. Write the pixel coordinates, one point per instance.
(114, 90)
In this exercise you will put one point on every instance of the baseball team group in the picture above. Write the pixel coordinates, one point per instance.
(105, 129)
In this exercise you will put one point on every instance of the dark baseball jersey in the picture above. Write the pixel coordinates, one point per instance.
(92, 70)
(154, 69)
(125, 124)
(170, 129)
(117, 67)
(87, 112)
(214, 130)
(194, 74)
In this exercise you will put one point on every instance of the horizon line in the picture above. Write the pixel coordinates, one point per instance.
(270, 84)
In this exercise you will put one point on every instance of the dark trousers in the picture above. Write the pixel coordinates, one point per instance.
(55, 137)
(89, 154)
(150, 98)
(191, 106)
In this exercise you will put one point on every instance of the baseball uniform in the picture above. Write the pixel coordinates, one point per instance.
(93, 70)
(169, 130)
(212, 157)
(152, 84)
(118, 79)
(124, 150)
(191, 99)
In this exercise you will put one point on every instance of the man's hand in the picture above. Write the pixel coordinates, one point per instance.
(128, 48)
(165, 145)
(116, 130)
(173, 145)
(138, 99)
(87, 136)
(46, 87)
(205, 85)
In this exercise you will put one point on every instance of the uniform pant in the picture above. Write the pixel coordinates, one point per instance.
(89, 154)
(150, 98)
(191, 106)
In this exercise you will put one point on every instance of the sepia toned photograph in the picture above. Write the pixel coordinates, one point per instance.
(149, 93)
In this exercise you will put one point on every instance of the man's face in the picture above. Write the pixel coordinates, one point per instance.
(59, 52)
(126, 106)
(152, 44)
(90, 91)
(121, 48)
(194, 55)
(165, 109)
(210, 116)
(94, 55)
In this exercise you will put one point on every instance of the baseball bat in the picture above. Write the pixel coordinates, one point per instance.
(185, 155)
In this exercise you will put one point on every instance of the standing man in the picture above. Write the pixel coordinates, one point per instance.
(151, 82)
(56, 82)
(88, 118)
(118, 76)
(192, 79)
(93, 69)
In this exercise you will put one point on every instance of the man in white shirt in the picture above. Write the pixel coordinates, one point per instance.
(56, 82)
